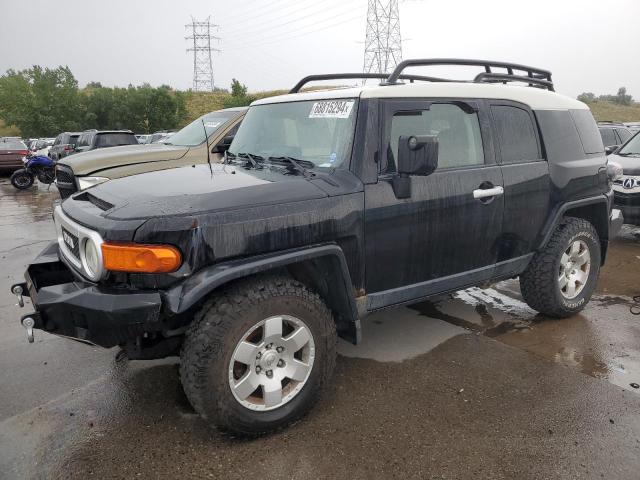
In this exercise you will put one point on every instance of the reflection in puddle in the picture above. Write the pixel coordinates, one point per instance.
(603, 341)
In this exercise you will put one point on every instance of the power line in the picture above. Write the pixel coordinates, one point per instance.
(258, 12)
(304, 30)
(267, 25)
(383, 43)
(202, 63)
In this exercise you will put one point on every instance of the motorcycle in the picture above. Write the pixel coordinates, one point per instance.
(35, 166)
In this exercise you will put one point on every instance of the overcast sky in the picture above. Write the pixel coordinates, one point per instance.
(588, 45)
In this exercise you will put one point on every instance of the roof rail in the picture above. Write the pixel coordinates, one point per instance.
(343, 76)
(535, 77)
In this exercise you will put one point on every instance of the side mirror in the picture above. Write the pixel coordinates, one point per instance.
(223, 145)
(611, 149)
(417, 155)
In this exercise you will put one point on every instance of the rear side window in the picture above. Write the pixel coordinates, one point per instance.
(458, 133)
(115, 139)
(588, 131)
(623, 134)
(516, 134)
(84, 140)
(608, 137)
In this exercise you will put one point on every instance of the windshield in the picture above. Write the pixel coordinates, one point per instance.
(319, 131)
(193, 134)
(632, 147)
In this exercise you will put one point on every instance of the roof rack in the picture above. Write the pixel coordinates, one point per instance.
(378, 76)
(534, 77)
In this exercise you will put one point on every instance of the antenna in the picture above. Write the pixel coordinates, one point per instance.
(206, 140)
(202, 63)
(383, 43)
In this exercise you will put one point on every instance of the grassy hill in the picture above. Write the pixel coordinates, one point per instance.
(618, 113)
(199, 103)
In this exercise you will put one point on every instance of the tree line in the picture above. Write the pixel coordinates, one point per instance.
(620, 98)
(42, 102)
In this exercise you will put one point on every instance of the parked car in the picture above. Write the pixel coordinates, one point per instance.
(41, 146)
(627, 187)
(12, 151)
(63, 145)
(142, 138)
(186, 147)
(94, 139)
(158, 137)
(330, 205)
(613, 134)
(633, 126)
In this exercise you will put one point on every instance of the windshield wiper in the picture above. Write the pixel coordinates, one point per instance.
(297, 165)
(252, 159)
(628, 154)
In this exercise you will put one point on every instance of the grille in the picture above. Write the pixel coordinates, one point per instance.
(626, 199)
(72, 242)
(65, 181)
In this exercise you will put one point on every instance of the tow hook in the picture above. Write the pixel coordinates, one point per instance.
(17, 291)
(28, 323)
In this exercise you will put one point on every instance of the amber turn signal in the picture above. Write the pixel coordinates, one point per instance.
(140, 258)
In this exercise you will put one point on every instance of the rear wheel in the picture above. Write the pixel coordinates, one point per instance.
(258, 355)
(560, 279)
(21, 179)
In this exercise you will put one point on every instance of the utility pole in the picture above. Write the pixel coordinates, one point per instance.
(383, 43)
(200, 33)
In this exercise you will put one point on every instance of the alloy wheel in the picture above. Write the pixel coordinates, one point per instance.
(573, 273)
(271, 363)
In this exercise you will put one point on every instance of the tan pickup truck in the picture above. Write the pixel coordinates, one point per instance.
(185, 147)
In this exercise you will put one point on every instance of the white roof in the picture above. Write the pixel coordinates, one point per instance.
(536, 98)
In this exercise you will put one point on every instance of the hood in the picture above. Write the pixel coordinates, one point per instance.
(93, 161)
(630, 165)
(197, 189)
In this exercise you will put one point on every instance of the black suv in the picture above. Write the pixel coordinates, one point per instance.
(613, 135)
(63, 145)
(92, 139)
(330, 205)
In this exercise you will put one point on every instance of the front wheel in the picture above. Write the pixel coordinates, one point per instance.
(21, 179)
(561, 278)
(258, 355)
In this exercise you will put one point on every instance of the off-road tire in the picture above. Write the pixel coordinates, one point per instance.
(21, 179)
(539, 282)
(219, 325)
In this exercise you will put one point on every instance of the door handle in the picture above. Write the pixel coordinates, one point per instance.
(487, 192)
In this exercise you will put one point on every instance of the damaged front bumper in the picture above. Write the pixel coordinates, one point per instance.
(69, 306)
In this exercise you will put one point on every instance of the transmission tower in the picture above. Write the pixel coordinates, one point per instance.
(200, 33)
(383, 44)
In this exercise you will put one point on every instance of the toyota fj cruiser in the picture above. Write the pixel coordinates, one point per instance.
(330, 205)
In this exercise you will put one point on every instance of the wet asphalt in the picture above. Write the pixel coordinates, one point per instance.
(475, 385)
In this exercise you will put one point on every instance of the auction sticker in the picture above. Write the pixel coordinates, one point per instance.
(331, 109)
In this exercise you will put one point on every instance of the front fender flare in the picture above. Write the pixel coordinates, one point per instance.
(189, 293)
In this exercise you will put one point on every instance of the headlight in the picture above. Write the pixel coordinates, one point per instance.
(92, 259)
(614, 170)
(86, 182)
